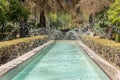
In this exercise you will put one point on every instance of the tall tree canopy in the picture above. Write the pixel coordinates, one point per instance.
(17, 11)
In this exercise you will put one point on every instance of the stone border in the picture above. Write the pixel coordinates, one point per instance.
(15, 62)
(109, 69)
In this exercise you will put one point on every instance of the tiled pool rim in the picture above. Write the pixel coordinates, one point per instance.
(110, 70)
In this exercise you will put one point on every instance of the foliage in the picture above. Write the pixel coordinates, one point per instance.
(12, 10)
(3, 10)
(17, 11)
(107, 49)
(104, 41)
(114, 13)
(60, 20)
(100, 24)
(117, 37)
(14, 48)
(3, 35)
(89, 8)
(9, 27)
(66, 19)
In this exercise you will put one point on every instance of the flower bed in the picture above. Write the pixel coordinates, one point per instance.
(107, 49)
(14, 48)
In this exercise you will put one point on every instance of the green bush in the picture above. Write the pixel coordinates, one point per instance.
(9, 28)
(14, 48)
(2, 36)
(108, 49)
(114, 12)
(38, 25)
(117, 37)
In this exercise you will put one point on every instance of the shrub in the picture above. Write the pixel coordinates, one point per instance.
(117, 37)
(9, 28)
(107, 49)
(3, 35)
(14, 48)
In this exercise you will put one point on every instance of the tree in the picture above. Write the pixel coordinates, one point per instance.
(114, 13)
(89, 8)
(44, 7)
(41, 8)
(19, 13)
(3, 12)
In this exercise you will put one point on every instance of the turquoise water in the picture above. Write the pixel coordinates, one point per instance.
(64, 61)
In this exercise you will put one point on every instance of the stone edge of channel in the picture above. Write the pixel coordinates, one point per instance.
(109, 69)
(15, 62)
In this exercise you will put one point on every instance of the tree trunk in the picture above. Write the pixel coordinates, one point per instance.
(3, 25)
(90, 19)
(42, 14)
(42, 19)
(109, 32)
(24, 31)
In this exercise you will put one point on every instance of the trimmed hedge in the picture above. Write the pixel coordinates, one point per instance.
(107, 49)
(117, 37)
(14, 48)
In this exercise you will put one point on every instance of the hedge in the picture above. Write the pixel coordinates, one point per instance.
(117, 37)
(14, 48)
(108, 49)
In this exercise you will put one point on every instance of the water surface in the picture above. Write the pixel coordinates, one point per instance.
(65, 61)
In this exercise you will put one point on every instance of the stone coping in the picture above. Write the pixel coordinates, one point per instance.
(109, 69)
(112, 72)
(15, 62)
